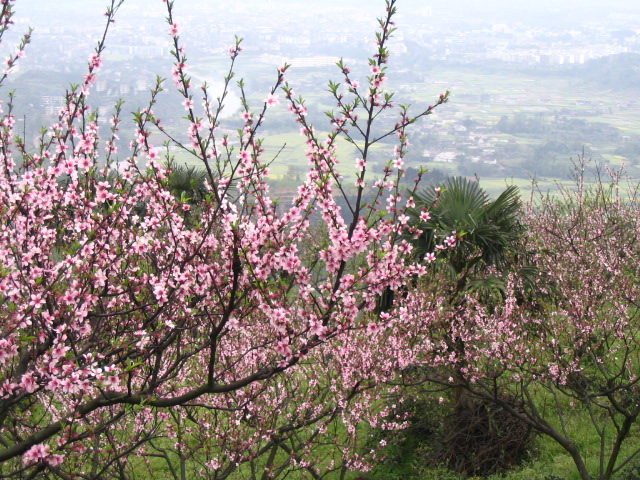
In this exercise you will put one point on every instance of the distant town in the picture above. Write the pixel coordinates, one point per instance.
(310, 35)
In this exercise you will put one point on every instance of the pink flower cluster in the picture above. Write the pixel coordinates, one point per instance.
(42, 453)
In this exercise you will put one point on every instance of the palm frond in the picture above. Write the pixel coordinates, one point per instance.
(487, 227)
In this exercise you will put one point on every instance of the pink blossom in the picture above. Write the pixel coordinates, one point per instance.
(160, 292)
(89, 78)
(272, 100)
(95, 61)
(28, 382)
(174, 30)
(36, 454)
(55, 460)
(450, 241)
(245, 157)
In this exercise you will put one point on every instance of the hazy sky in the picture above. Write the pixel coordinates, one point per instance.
(496, 10)
(447, 15)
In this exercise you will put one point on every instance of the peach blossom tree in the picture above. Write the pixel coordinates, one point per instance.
(136, 331)
(561, 347)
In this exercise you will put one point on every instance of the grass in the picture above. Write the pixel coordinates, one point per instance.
(552, 459)
(548, 458)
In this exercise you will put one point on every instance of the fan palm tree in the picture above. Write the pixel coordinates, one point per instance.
(484, 242)
(188, 182)
(484, 233)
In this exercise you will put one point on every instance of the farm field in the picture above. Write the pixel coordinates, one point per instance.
(564, 116)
